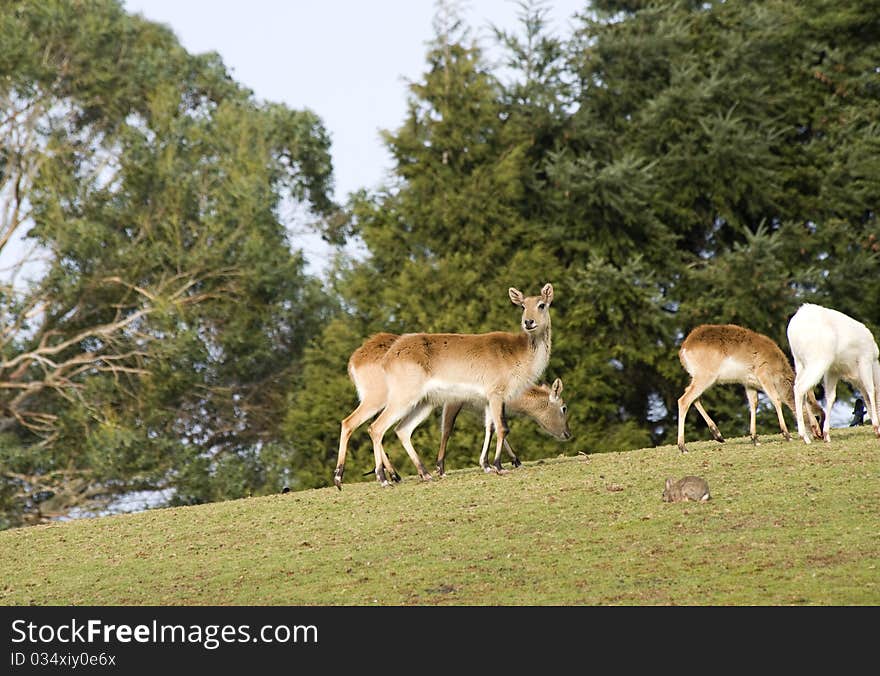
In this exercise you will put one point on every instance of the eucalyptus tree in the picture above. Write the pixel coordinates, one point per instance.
(153, 303)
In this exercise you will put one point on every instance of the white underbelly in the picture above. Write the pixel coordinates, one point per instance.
(734, 371)
(442, 391)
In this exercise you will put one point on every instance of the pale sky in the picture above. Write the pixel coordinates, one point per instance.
(348, 61)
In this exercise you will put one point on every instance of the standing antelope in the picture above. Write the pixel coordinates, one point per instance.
(828, 343)
(423, 370)
(726, 353)
(541, 402)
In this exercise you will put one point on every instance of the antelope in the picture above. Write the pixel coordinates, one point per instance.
(541, 402)
(830, 345)
(423, 370)
(726, 353)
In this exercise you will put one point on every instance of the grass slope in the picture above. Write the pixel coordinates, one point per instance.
(788, 524)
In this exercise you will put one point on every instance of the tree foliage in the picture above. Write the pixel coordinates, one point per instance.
(150, 345)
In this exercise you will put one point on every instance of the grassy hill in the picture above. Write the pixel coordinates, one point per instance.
(788, 524)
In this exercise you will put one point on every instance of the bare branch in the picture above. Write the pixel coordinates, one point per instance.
(104, 330)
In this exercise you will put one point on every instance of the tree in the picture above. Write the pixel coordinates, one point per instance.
(152, 347)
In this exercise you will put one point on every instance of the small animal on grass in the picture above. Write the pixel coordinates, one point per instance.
(858, 414)
(828, 345)
(687, 489)
(727, 353)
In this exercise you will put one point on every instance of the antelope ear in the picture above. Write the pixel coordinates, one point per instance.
(556, 388)
(668, 484)
(547, 293)
(516, 296)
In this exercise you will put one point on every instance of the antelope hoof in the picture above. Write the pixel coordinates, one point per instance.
(337, 477)
(381, 478)
(755, 441)
(827, 437)
(425, 476)
(395, 477)
(487, 468)
(682, 448)
(786, 436)
(716, 435)
(517, 463)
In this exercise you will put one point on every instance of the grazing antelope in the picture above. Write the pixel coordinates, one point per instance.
(423, 370)
(828, 343)
(540, 402)
(726, 353)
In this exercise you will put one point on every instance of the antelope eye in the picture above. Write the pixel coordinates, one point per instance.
(541, 306)
(564, 410)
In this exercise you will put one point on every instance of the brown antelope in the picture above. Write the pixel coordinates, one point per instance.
(423, 370)
(830, 346)
(726, 353)
(541, 402)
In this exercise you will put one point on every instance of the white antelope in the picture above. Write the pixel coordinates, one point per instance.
(828, 343)
(540, 402)
(726, 353)
(423, 370)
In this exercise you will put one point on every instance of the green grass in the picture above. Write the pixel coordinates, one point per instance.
(788, 524)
